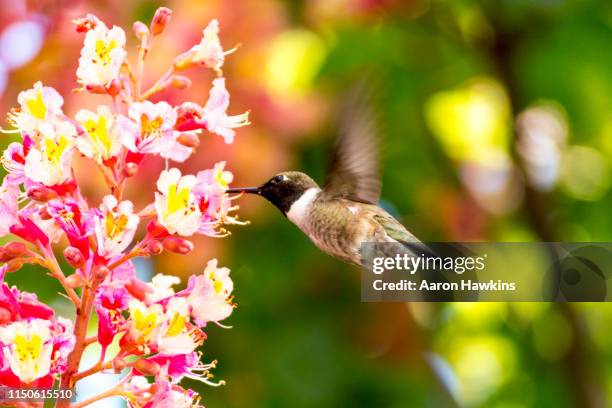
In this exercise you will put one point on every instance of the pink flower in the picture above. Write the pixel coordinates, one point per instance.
(16, 305)
(13, 160)
(186, 205)
(33, 343)
(186, 365)
(47, 226)
(168, 395)
(175, 203)
(110, 301)
(208, 52)
(209, 294)
(38, 105)
(215, 205)
(149, 129)
(35, 348)
(29, 231)
(9, 194)
(161, 327)
(215, 116)
(212, 116)
(73, 221)
(114, 226)
(101, 139)
(49, 161)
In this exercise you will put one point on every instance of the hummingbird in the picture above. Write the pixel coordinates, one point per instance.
(344, 213)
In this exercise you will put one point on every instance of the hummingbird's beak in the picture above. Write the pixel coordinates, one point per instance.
(248, 190)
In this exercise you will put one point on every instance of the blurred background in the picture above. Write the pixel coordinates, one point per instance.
(497, 122)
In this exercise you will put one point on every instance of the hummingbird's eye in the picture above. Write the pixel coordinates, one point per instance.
(278, 179)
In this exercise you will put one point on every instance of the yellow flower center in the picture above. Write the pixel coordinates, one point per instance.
(99, 132)
(54, 150)
(66, 215)
(104, 49)
(217, 284)
(28, 350)
(150, 128)
(115, 226)
(177, 324)
(144, 323)
(177, 200)
(220, 179)
(36, 106)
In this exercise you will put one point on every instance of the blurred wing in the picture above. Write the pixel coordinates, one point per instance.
(353, 172)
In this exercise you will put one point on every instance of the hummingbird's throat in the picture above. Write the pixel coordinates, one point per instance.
(299, 209)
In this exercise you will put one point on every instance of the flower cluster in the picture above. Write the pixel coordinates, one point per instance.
(157, 328)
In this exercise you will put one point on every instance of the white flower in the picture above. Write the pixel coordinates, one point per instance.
(162, 287)
(37, 105)
(215, 116)
(101, 139)
(176, 205)
(210, 293)
(114, 226)
(27, 347)
(174, 338)
(144, 321)
(209, 51)
(150, 129)
(49, 161)
(102, 55)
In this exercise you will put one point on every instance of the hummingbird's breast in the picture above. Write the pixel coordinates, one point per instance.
(338, 227)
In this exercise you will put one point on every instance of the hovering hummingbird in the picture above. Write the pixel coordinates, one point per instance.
(343, 214)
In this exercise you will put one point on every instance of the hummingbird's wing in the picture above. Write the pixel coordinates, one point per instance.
(394, 229)
(353, 172)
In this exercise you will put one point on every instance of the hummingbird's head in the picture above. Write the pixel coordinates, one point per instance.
(282, 190)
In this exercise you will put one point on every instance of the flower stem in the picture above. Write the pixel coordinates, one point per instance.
(159, 85)
(80, 334)
(99, 366)
(115, 391)
(56, 271)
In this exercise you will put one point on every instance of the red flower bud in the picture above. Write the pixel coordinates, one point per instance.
(97, 89)
(113, 88)
(14, 250)
(74, 257)
(189, 140)
(154, 248)
(180, 82)
(140, 29)
(119, 364)
(41, 193)
(44, 213)
(147, 367)
(84, 24)
(137, 288)
(178, 245)
(5, 316)
(100, 272)
(130, 169)
(160, 20)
